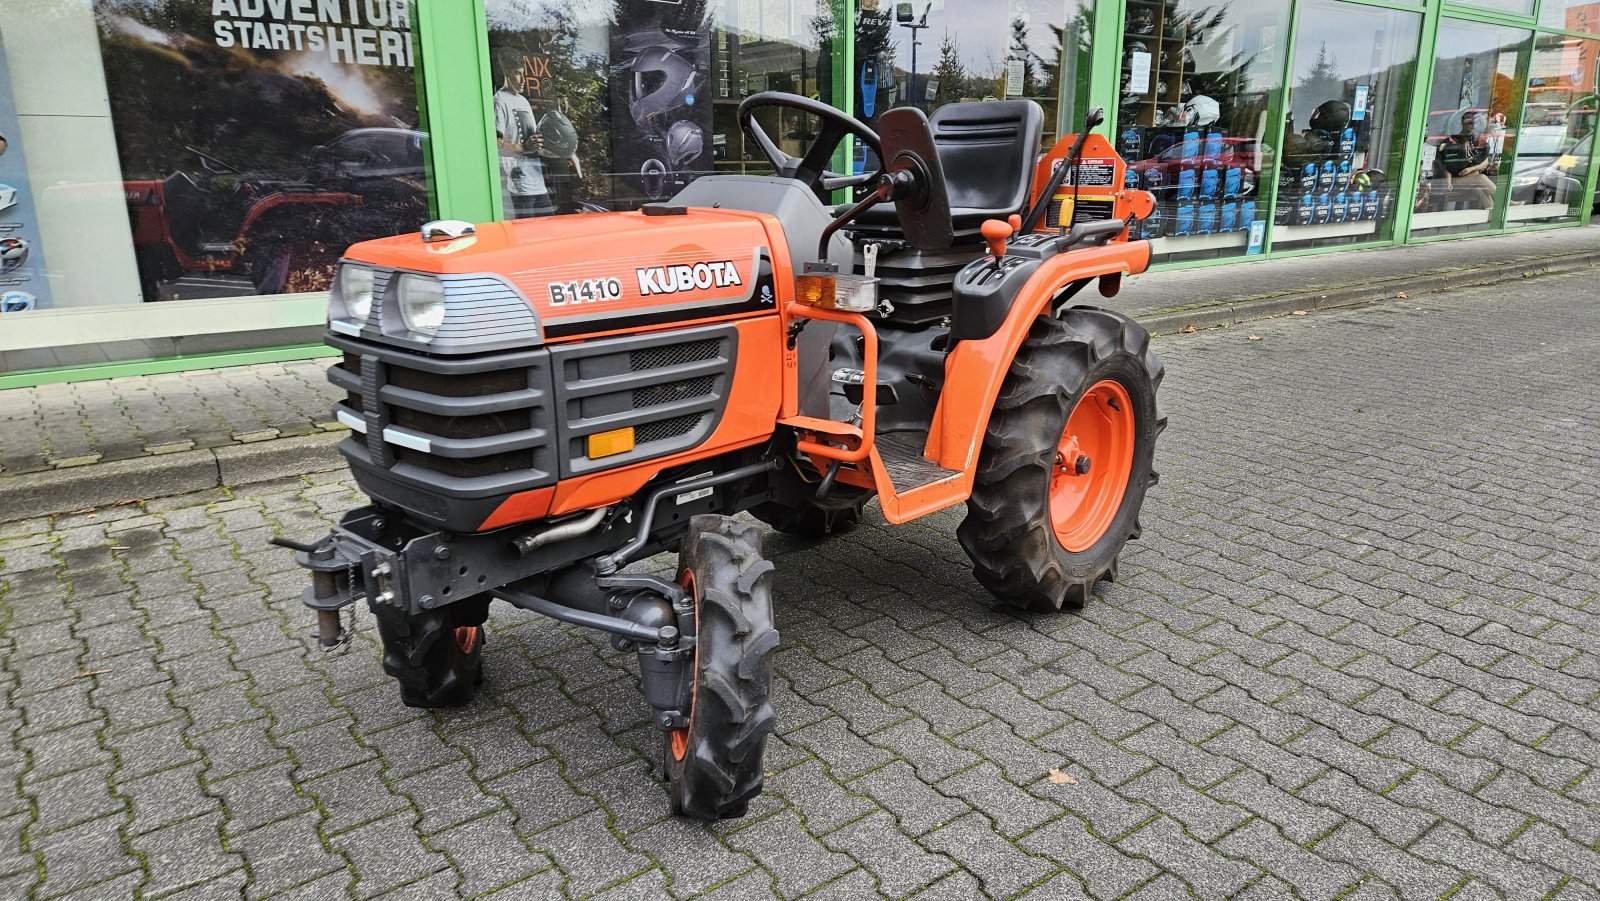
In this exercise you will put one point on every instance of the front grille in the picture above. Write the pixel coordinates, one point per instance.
(481, 426)
(672, 355)
(669, 387)
(662, 429)
(476, 467)
(656, 395)
(476, 384)
(479, 423)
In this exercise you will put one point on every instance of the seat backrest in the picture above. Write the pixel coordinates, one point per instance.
(988, 151)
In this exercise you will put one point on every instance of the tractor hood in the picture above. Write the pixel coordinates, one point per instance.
(603, 272)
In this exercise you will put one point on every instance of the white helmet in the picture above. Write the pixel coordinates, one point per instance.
(1201, 110)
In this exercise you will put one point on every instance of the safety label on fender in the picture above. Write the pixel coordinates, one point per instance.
(849, 376)
(1093, 173)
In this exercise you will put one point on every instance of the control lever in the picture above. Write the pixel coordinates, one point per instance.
(996, 232)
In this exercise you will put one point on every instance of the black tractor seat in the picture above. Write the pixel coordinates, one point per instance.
(988, 152)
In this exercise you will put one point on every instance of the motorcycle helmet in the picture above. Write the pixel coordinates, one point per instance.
(1201, 111)
(17, 302)
(685, 142)
(13, 253)
(1330, 116)
(654, 176)
(560, 137)
(662, 81)
(1142, 22)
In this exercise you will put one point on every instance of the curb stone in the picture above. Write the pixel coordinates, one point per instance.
(1234, 312)
(163, 475)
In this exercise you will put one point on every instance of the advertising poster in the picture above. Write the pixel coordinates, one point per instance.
(661, 101)
(22, 273)
(551, 106)
(260, 138)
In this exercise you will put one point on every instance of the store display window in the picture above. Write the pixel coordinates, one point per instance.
(1345, 124)
(217, 153)
(602, 105)
(1550, 177)
(1571, 15)
(257, 141)
(929, 53)
(1474, 116)
(1199, 86)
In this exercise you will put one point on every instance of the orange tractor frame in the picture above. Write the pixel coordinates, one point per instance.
(535, 405)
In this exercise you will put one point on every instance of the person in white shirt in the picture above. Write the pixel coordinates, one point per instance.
(521, 169)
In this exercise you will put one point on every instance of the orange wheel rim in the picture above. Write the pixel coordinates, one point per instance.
(1093, 461)
(466, 638)
(680, 737)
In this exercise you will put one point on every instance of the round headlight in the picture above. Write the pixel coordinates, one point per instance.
(421, 303)
(353, 288)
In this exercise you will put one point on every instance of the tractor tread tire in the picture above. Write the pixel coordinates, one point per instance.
(732, 714)
(422, 655)
(1007, 531)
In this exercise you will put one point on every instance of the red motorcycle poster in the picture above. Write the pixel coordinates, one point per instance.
(260, 138)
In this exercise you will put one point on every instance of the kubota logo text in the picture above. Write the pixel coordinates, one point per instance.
(698, 277)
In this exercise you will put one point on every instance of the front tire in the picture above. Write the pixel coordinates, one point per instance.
(1043, 524)
(714, 764)
(437, 661)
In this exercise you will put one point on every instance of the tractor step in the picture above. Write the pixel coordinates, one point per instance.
(908, 469)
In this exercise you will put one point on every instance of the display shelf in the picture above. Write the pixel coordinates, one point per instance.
(1192, 243)
(1283, 234)
(1449, 219)
(1527, 211)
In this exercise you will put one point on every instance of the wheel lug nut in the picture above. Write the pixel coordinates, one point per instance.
(1083, 465)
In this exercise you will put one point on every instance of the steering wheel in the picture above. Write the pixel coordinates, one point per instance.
(811, 169)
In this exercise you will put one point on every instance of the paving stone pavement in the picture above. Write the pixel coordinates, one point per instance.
(1352, 657)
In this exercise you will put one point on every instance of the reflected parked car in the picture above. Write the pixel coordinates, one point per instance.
(1537, 148)
(1564, 177)
(1244, 153)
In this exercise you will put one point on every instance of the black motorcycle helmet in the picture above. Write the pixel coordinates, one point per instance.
(663, 81)
(1330, 116)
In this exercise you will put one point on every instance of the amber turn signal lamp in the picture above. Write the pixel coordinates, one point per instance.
(606, 444)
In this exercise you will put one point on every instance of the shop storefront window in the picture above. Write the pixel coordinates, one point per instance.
(1474, 114)
(1199, 86)
(204, 151)
(256, 143)
(1551, 174)
(608, 104)
(1345, 127)
(934, 52)
(1571, 15)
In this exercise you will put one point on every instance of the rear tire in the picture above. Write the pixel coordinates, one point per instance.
(438, 662)
(714, 765)
(1013, 533)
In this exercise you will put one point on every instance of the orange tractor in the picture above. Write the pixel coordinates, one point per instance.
(534, 405)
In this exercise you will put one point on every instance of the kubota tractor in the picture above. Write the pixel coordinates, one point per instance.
(535, 405)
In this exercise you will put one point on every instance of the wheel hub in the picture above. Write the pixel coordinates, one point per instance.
(1094, 459)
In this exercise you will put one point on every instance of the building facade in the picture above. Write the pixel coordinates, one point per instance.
(178, 177)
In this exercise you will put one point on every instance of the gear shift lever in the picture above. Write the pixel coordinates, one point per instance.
(996, 232)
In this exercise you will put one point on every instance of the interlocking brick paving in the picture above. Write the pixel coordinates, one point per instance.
(1353, 656)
